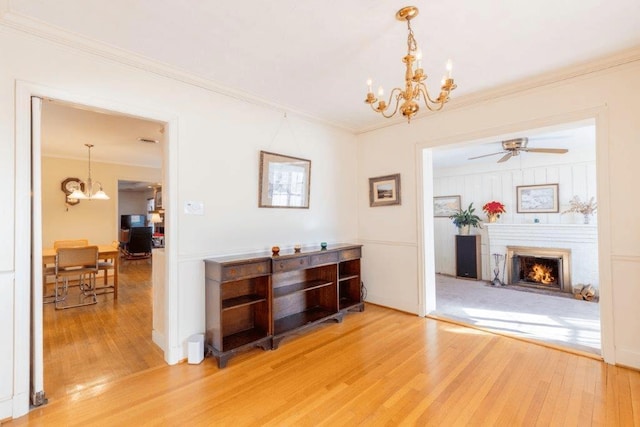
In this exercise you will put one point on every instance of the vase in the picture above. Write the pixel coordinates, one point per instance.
(492, 217)
(464, 230)
(587, 218)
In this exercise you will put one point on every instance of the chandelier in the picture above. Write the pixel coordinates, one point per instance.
(89, 194)
(414, 80)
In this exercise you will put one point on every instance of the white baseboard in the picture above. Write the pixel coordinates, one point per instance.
(158, 339)
(628, 358)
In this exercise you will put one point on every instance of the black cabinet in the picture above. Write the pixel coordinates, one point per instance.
(468, 263)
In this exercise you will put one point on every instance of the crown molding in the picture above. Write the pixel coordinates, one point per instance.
(556, 76)
(26, 24)
(51, 33)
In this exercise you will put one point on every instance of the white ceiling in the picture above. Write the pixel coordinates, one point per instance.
(579, 138)
(66, 128)
(314, 57)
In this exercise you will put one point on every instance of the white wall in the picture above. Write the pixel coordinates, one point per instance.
(392, 233)
(216, 159)
(478, 186)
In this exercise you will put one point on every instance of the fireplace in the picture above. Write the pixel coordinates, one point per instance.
(544, 268)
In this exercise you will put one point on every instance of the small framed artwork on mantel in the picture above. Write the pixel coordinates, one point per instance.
(384, 190)
(537, 198)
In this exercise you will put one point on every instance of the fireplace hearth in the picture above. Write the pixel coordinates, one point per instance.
(546, 268)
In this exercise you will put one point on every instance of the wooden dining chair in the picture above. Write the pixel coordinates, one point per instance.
(81, 262)
(50, 270)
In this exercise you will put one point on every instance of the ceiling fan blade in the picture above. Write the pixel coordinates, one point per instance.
(485, 155)
(546, 150)
(506, 157)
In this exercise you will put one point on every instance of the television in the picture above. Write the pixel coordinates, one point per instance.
(131, 221)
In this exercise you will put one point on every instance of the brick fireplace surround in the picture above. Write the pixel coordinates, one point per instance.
(581, 239)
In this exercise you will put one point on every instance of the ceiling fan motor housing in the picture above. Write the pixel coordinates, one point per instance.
(515, 144)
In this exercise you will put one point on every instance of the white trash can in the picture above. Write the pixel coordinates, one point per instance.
(195, 349)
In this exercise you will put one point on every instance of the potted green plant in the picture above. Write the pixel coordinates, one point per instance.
(465, 219)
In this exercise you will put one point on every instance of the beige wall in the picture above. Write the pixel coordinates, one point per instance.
(96, 220)
(391, 234)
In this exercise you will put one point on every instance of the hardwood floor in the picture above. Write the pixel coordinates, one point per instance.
(379, 367)
(90, 346)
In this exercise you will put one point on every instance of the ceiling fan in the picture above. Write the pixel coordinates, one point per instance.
(513, 147)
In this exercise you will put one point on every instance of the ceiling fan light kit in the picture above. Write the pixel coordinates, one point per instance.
(513, 147)
(415, 87)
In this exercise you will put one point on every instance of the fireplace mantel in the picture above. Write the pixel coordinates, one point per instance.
(581, 239)
(578, 233)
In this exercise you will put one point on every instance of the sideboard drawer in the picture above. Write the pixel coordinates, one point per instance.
(282, 265)
(326, 258)
(240, 271)
(348, 254)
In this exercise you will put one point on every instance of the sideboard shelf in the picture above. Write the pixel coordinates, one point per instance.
(241, 301)
(243, 338)
(299, 287)
(303, 318)
(258, 300)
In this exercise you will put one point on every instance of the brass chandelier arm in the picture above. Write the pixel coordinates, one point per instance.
(433, 105)
(383, 106)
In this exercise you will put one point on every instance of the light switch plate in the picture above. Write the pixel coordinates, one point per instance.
(194, 208)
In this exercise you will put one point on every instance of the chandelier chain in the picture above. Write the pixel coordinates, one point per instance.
(411, 41)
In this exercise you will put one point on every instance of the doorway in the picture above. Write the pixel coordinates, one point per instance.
(104, 340)
(472, 173)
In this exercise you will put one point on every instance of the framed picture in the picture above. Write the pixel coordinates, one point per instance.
(157, 199)
(384, 190)
(537, 198)
(284, 181)
(445, 206)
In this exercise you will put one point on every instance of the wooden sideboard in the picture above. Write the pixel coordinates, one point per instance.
(257, 300)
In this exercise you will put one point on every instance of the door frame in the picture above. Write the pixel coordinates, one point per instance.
(24, 221)
(424, 185)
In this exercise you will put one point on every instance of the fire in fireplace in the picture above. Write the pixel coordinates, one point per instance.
(547, 268)
(541, 271)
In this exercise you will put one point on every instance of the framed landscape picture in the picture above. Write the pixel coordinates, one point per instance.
(445, 206)
(384, 190)
(537, 198)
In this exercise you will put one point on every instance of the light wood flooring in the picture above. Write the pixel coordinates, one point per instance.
(91, 346)
(379, 367)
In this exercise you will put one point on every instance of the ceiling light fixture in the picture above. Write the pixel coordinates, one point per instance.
(414, 79)
(89, 194)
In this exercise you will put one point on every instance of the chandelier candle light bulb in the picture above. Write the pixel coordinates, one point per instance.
(414, 87)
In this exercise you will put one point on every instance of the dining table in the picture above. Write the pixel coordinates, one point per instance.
(105, 252)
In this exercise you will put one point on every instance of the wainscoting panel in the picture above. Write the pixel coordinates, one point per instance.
(6, 351)
(390, 274)
(626, 297)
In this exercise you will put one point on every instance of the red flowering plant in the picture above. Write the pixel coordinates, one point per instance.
(494, 208)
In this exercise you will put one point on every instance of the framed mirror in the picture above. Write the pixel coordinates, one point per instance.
(284, 181)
